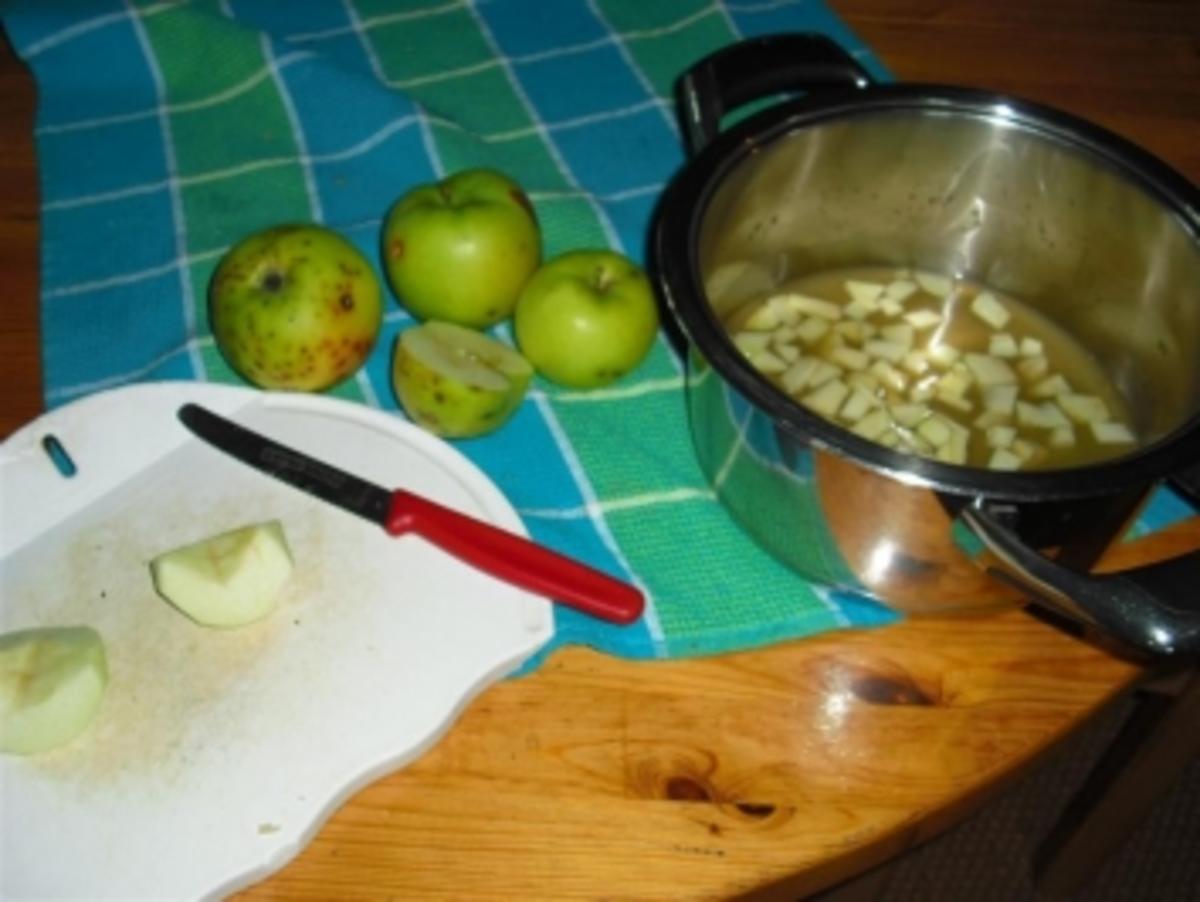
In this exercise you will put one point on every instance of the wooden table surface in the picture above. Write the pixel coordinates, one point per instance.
(788, 768)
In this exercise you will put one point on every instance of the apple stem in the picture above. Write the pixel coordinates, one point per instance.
(603, 279)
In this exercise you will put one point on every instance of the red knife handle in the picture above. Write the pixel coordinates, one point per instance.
(514, 559)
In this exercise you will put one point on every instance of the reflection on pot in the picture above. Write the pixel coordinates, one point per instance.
(844, 525)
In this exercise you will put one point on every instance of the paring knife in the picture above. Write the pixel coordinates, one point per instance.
(493, 550)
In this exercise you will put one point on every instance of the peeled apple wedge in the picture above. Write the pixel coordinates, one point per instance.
(457, 382)
(227, 580)
(51, 682)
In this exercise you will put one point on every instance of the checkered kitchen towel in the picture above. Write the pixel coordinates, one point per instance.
(168, 130)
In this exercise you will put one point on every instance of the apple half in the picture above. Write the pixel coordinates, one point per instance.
(457, 382)
(52, 680)
(227, 580)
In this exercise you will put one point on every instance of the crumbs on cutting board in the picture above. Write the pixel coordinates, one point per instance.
(169, 677)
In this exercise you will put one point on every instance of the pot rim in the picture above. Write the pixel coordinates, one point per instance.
(676, 242)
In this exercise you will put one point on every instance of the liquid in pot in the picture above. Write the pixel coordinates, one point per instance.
(944, 368)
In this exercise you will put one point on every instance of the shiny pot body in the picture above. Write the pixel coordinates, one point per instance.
(1095, 234)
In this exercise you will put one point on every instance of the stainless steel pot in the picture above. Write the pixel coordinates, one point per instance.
(1097, 234)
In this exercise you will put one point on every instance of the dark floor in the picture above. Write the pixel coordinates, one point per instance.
(987, 858)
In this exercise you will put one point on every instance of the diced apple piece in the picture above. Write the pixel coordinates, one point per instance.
(787, 312)
(957, 447)
(913, 442)
(854, 331)
(1000, 398)
(936, 285)
(955, 381)
(1003, 459)
(1002, 344)
(889, 375)
(1040, 416)
(873, 425)
(943, 355)
(751, 343)
(797, 376)
(1000, 436)
(890, 308)
(899, 291)
(1051, 386)
(864, 292)
(1032, 347)
(1112, 433)
(1083, 408)
(858, 405)
(764, 318)
(990, 418)
(812, 329)
(924, 389)
(891, 351)
(989, 370)
(1062, 437)
(788, 353)
(783, 335)
(888, 438)
(860, 309)
(824, 372)
(916, 363)
(958, 402)
(865, 381)
(809, 306)
(990, 309)
(923, 319)
(831, 342)
(227, 580)
(827, 398)
(768, 362)
(850, 358)
(52, 680)
(1033, 368)
(909, 415)
(934, 430)
(901, 333)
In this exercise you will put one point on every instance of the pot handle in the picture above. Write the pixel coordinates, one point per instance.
(1154, 609)
(757, 68)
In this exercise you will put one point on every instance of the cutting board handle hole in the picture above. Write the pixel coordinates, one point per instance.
(58, 456)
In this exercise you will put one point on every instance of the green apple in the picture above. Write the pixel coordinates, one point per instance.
(51, 682)
(295, 307)
(226, 580)
(586, 318)
(457, 382)
(460, 250)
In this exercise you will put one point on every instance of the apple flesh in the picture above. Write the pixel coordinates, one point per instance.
(586, 318)
(457, 382)
(227, 580)
(52, 680)
(295, 307)
(460, 250)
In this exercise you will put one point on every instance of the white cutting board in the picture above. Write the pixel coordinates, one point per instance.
(216, 755)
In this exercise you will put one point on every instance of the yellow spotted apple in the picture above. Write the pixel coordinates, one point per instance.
(457, 382)
(460, 250)
(295, 307)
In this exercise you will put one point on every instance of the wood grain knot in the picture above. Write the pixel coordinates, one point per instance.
(877, 689)
(687, 789)
(757, 810)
